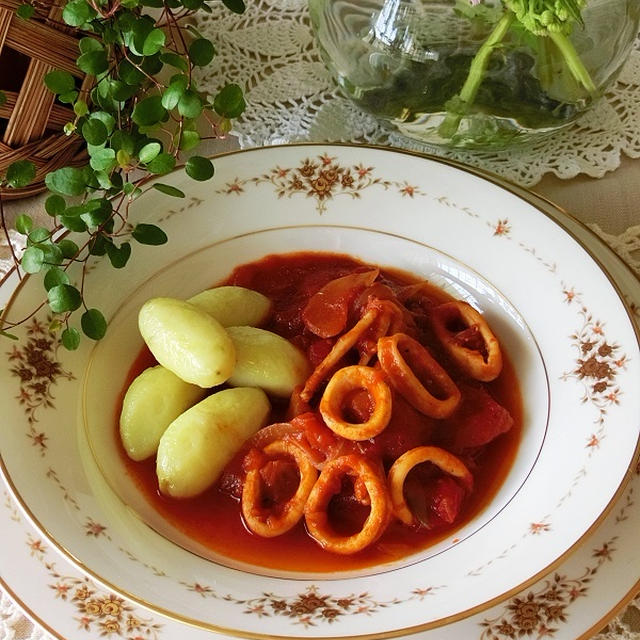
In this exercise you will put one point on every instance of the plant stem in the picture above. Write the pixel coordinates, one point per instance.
(5, 231)
(575, 64)
(477, 69)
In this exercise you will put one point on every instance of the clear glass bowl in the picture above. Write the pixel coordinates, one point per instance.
(457, 74)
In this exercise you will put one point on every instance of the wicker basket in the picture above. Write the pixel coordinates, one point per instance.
(31, 121)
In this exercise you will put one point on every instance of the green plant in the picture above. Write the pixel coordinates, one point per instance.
(142, 111)
(541, 19)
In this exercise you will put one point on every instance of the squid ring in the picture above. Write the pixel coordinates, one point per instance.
(444, 460)
(414, 373)
(262, 521)
(450, 321)
(329, 482)
(344, 343)
(342, 383)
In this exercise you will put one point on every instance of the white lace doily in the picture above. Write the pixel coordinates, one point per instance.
(290, 97)
(13, 624)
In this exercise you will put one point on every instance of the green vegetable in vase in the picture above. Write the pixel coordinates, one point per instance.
(544, 19)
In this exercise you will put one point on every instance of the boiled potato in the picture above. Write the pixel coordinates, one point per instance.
(232, 305)
(187, 341)
(198, 444)
(152, 402)
(266, 360)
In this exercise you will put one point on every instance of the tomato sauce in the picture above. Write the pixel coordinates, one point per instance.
(213, 518)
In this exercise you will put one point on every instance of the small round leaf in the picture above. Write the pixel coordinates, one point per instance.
(172, 94)
(68, 181)
(174, 60)
(162, 163)
(24, 224)
(190, 104)
(54, 277)
(32, 260)
(80, 108)
(38, 236)
(70, 339)
(20, 173)
(189, 140)
(199, 168)
(237, 6)
(93, 62)
(68, 247)
(229, 102)
(93, 324)
(73, 223)
(153, 42)
(149, 234)
(52, 253)
(59, 81)
(94, 132)
(77, 12)
(87, 44)
(149, 152)
(103, 159)
(149, 111)
(106, 118)
(68, 98)
(25, 11)
(63, 298)
(122, 140)
(129, 73)
(55, 205)
(201, 52)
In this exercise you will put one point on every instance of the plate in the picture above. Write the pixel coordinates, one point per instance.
(467, 227)
(587, 588)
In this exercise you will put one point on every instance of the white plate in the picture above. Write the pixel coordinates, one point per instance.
(594, 582)
(590, 358)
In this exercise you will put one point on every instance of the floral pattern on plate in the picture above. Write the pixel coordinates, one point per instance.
(35, 363)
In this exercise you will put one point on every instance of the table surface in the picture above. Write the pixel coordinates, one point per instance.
(612, 202)
(609, 204)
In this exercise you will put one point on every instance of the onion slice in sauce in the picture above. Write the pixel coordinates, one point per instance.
(327, 311)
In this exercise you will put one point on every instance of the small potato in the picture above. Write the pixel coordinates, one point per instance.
(152, 402)
(231, 305)
(198, 444)
(266, 360)
(187, 341)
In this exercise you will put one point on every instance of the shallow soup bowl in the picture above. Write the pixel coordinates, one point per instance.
(560, 319)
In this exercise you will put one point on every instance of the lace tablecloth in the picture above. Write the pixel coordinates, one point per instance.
(270, 50)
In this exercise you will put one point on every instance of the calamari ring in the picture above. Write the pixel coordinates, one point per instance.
(260, 520)
(444, 460)
(344, 343)
(414, 373)
(329, 482)
(390, 319)
(484, 364)
(344, 382)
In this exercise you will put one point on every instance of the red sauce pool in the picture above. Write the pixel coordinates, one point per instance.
(213, 518)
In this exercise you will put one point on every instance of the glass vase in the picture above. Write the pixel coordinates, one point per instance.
(470, 73)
